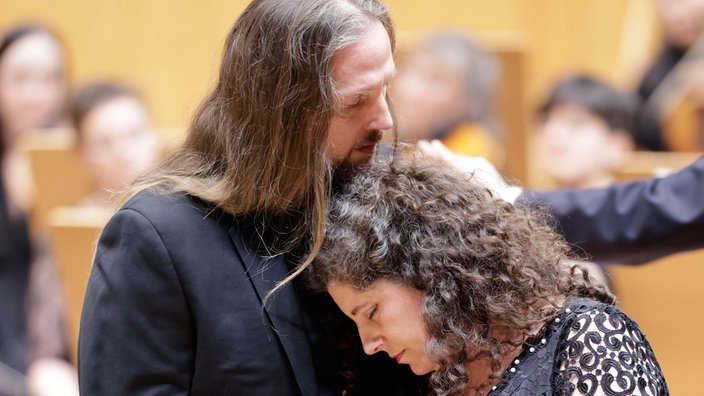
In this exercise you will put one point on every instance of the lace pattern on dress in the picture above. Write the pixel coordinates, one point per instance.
(603, 352)
(590, 348)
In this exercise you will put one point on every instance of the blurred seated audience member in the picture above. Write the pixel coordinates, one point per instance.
(116, 141)
(34, 80)
(33, 345)
(676, 75)
(445, 89)
(33, 95)
(584, 132)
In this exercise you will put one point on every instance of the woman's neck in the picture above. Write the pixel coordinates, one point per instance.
(480, 371)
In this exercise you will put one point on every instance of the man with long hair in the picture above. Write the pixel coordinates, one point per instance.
(186, 293)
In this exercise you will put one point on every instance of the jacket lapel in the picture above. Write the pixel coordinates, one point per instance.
(282, 309)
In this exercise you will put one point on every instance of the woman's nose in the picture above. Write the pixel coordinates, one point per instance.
(371, 343)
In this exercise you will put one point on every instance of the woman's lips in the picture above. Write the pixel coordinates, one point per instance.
(398, 357)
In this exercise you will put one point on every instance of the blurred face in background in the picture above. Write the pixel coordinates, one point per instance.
(683, 20)
(428, 94)
(33, 84)
(579, 149)
(118, 142)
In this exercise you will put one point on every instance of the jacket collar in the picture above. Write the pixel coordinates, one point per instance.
(282, 310)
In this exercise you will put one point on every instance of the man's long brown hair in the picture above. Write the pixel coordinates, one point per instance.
(257, 143)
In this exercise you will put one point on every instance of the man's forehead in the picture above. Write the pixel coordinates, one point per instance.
(364, 82)
(365, 64)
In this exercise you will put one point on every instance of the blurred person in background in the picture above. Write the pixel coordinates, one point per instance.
(671, 117)
(445, 89)
(33, 347)
(584, 137)
(34, 80)
(584, 132)
(33, 95)
(116, 139)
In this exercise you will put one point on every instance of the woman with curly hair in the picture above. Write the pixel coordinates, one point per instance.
(445, 277)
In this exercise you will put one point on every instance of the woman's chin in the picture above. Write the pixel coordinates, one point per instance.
(423, 369)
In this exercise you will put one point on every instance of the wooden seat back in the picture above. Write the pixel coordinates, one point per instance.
(75, 232)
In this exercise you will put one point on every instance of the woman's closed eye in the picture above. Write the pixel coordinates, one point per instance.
(372, 313)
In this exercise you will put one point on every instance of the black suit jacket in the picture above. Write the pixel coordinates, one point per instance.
(174, 307)
(632, 222)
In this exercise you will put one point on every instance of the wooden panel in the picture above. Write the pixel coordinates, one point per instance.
(512, 109)
(423, 15)
(666, 298)
(171, 49)
(646, 164)
(75, 232)
(59, 177)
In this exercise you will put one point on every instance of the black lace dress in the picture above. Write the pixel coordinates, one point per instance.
(590, 348)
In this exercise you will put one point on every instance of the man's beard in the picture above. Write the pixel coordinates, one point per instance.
(345, 170)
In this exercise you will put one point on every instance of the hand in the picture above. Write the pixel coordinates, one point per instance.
(52, 377)
(481, 169)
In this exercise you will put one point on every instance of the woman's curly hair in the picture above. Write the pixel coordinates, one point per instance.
(482, 264)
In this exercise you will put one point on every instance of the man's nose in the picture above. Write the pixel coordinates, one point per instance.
(381, 119)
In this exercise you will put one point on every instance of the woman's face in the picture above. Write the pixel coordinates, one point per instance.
(33, 86)
(388, 318)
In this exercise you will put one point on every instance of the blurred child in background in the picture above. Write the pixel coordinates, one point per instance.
(584, 132)
(116, 140)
